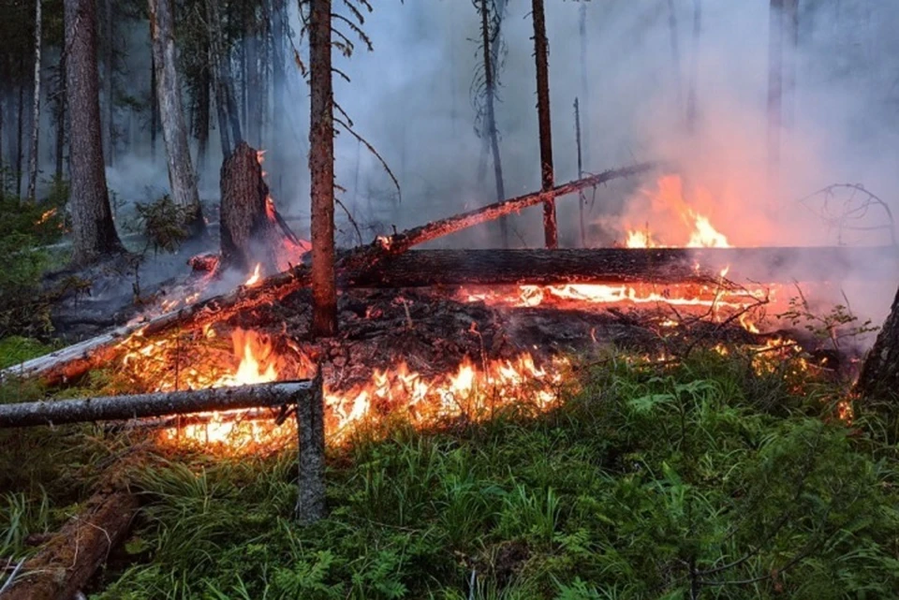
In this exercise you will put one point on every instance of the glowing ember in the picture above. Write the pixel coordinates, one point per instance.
(46, 216)
(255, 277)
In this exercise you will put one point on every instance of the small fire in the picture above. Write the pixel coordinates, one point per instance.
(255, 277)
(669, 200)
(46, 216)
(471, 389)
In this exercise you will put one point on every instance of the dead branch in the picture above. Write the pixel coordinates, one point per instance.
(57, 412)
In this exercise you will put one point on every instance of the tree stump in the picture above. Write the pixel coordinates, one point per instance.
(252, 231)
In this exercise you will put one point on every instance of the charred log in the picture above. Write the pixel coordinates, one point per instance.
(251, 230)
(422, 268)
(58, 412)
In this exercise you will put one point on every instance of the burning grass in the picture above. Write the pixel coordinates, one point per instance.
(646, 470)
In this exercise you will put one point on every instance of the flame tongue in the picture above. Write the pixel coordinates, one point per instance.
(253, 351)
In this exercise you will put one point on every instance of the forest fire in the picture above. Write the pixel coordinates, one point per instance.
(472, 390)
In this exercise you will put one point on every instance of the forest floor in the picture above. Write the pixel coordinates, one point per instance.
(709, 476)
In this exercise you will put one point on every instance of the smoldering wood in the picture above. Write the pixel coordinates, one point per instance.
(311, 433)
(251, 230)
(69, 559)
(421, 268)
(75, 360)
(108, 408)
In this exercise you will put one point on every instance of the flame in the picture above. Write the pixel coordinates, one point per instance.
(471, 389)
(669, 200)
(46, 216)
(255, 277)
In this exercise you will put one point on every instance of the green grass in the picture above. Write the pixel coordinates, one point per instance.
(651, 480)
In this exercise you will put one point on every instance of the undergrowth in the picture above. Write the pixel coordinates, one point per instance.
(704, 480)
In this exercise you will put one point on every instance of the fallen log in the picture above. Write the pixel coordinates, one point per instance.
(109, 408)
(420, 268)
(69, 559)
(75, 360)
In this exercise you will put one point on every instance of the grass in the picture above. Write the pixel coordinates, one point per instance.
(651, 482)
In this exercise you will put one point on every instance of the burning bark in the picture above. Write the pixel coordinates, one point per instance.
(58, 412)
(77, 359)
(252, 231)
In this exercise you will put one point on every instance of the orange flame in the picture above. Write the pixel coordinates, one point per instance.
(255, 277)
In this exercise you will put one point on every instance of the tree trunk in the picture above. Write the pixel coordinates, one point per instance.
(879, 378)
(201, 126)
(174, 131)
(692, 94)
(20, 134)
(581, 196)
(675, 54)
(790, 57)
(36, 107)
(92, 226)
(321, 168)
(490, 42)
(2, 162)
(154, 108)
(251, 230)
(109, 64)
(61, 109)
(585, 85)
(253, 76)
(775, 91)
(541, 55)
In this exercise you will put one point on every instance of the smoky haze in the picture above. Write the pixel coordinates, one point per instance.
(411, 99)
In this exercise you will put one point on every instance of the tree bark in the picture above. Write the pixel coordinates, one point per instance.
(581, 196)
(36, 106)
(321, 168)
(109, 81)
(252, 232)
(92, 226)
(61, 107)
(154, 107)
(311, 433)
(137, 406)
(182, 178)
(541, 55)
(879, 378)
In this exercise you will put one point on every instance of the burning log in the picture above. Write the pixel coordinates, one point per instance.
(400, 242)
(77, 359)
(620, 265)
(69, 559)
(252, 231)
(58, 412)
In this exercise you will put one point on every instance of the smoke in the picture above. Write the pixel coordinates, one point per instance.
(411, 99)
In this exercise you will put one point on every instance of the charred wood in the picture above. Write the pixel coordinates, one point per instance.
(421, 268)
